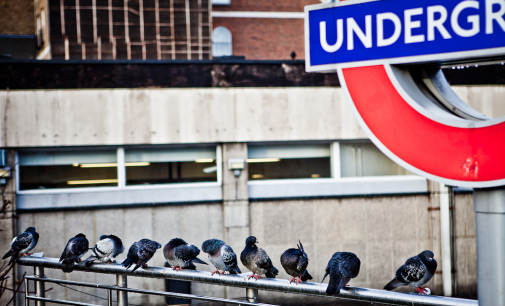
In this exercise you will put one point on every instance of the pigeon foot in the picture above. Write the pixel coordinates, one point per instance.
(214, 272)
(423, 291)
(221, 273)
(252, 275)
(257, 276)
(292, 280)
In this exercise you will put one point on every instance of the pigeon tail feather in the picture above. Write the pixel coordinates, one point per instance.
(393, 284)
(235, 270)
(127, 263)
(306, 276)
(333, 285)
(272, 272)
(67, 265)
(89, 261)
(9, 253)
(199, 261)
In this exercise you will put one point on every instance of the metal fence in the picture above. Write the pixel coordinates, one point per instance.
(252, 286)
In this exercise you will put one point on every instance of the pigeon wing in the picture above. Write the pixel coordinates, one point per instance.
(412, 271)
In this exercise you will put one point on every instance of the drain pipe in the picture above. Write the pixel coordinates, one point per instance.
(445, 231)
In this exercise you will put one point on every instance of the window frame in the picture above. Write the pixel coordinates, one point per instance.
(114, 194)
(336, 185)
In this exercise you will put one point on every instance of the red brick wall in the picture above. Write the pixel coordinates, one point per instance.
(266, 5)
(265, 38)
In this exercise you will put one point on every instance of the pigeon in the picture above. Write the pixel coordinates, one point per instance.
(295, 262)
(221, 256)
(257, 260)
(76, 248)
(415, 272)
(105, 250)
(140, 253)
(22, 244)
(181, 255)
(342, 267)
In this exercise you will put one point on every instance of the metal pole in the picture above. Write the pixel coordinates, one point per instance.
(122, 296)
(27, 291)
(109, 297)
(40, 290)
(490, 225)
(251, 295)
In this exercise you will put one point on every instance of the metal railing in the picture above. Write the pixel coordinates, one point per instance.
(252, 286)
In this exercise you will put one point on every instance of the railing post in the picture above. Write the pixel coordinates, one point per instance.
(40, 290)
(122, 296)
(109, 297)
(27, 291)
(251, 295)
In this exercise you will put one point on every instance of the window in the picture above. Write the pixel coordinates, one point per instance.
(54, 179)
(162, 166)
(326, 170)
(288, 161)
(221, 42)
(67, 169)
(103, 168)
(221, 2)
(364, 159)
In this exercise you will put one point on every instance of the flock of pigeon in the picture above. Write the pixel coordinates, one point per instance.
(342, 267)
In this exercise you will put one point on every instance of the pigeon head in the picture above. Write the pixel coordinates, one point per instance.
(210, 245)
(250, 241)
(427, 257)
(176, 242)
(31, 229)
(80, 235)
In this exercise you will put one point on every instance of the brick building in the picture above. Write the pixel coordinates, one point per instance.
(260, 30)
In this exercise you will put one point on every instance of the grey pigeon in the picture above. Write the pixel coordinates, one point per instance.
(342, 267)
(221, 256)
(415, 272)
(105, 250)
(22, 244)
(76, 248)
(257, 260)
(140, 253)
(181, 255)
(295, 262)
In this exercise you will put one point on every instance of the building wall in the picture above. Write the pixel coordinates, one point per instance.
(20, 17)
(264, 38)
(383, 230)
(159, 116)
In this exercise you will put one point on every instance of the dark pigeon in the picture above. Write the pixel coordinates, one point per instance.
(342, 267)
(221, 256)
(76, 248)
(105, 250)
(181, 255)
(22, 244)
(140, 253)
(415, 272)
(257, 260)
(295, 262)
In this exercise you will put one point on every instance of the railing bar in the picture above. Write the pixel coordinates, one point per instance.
(36, 298)
(27, 290)
(153, 292)
(308, 288)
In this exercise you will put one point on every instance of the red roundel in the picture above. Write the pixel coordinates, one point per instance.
(471, 154)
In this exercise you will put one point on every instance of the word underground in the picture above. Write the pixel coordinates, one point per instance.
(435, 17)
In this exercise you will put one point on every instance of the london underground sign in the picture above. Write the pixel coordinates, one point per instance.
(363, 40)
(394, 31)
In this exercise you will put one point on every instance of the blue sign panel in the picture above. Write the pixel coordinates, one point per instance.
(354, 33)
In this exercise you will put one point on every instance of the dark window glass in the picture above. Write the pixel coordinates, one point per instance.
(67, 169)
(172, 165)
(269, 162)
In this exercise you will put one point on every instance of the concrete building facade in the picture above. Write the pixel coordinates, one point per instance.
(384, 218)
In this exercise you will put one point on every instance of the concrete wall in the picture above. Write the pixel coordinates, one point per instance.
(158, 116)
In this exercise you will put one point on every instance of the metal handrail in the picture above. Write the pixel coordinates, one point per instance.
(307, 288)
(143, 291)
